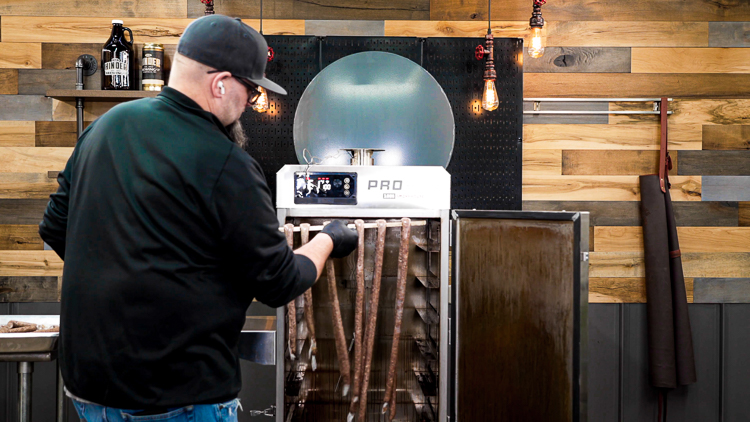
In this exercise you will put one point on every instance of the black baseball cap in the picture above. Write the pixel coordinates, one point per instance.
(229, 45)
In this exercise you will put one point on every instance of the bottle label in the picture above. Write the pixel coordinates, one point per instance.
(116, 67)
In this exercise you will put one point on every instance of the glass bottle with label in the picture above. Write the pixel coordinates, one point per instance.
(118, 62)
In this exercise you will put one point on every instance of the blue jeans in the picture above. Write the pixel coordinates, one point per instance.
(222, 412)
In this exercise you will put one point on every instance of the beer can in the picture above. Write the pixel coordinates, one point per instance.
(152, 61)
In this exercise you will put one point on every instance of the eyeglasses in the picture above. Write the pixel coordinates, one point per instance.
(253, 93)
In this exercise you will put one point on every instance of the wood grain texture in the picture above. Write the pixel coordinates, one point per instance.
(20, 55)
(715, 163)
(726, 188)
(726, 137)
(38, 81)
(625, 290)
(345, 28)
(33, 160)
(627, 213)
(22, 211)
(438, 28)
(690, 60)
(689, 111)
(20, 237)
(97, 30)
(635, 85)
(66, 110)
(542, 162)
(584, 33)
(610, 137)
(318, 9)
(578, 59)
(30, 263)
(692, 239)
(25, 107)
(105, 8)
(590, 119)
(729, 34)
(28, 289)
(630, 264)
(744, 214)
(16, 134)
(56, 134)
(583, 10)
(26, 185)
(581, 162)
(602, 188)
(57, 55)
(8, 81)
(722, 290)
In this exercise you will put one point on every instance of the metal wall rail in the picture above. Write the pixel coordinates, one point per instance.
(538, 105)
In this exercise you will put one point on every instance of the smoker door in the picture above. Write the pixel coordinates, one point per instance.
(518, 316)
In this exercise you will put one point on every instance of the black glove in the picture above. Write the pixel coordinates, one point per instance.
(344, 238)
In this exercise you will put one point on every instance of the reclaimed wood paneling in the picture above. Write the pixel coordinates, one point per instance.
(715, 163)
(26, 185)
(722, 290)
(625, 290)
(20, 237)
(726, 188)
(20, 55)
(38, 81)
(56, 134)
(593, 162)
(542, 162)
(57, 55)
(583, 10)
(689, 111)
(690, 60)
(435, 28)
(65, 111)
(729, 34)
(635, 85)
(326, 9)
(584, 33)
(8, 81)
(345, 28)
(692, 239)
(630, 264)
(16, 134)
(744, 214)
(602, 188)
(609, 137)
(33, 160)
(25, 107)
(28, 289)
(578, 119)
(22, 211)
(97, 30)
(105, 8)
(726, 137)
(30, 263)
(579, 59)
(627, 213)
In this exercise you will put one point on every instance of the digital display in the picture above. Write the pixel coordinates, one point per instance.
(325, 188)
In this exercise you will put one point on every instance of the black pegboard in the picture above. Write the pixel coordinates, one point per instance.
(486, 163)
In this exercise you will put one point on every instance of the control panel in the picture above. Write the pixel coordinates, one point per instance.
(332, 188)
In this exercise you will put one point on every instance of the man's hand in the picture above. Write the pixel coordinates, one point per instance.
(344, 239)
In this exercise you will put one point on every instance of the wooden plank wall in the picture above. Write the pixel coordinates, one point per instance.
(595, 49)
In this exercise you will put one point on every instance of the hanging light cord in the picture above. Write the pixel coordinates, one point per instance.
(489, 16)
(261, 17)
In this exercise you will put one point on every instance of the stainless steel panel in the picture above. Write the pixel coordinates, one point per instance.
(32, 342)
(519, 286)
(258, 340)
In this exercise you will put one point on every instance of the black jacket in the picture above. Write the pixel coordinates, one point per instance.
(167, 231)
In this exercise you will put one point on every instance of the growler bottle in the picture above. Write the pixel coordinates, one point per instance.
(118, 60)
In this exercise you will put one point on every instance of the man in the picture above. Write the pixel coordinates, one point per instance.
(168, 233)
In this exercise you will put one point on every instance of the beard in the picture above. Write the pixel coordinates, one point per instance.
(237, 134)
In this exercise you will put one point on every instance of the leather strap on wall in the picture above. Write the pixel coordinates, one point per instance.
(663, 154)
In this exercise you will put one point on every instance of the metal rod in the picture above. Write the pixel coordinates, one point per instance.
(591, 112)
(60, 395)
(566, 100)
(367, 226)
(24, 391)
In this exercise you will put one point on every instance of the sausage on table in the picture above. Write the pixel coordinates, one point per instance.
(291, 308)
(403, 261)
(304, 230)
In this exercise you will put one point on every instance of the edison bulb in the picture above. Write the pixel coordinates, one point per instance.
(536, 49)
(261, 105)
(489, 97)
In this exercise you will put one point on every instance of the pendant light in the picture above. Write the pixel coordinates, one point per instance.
(261, 104)
(538, 36)
(490, 100)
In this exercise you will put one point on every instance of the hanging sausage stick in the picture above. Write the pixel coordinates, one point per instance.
(291, 308)
(372, 317)
(392, 400)
(403, 260)
(338, 328)
(358, 317)
(309, 317)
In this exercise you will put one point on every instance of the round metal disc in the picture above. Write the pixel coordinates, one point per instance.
(375, 100)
